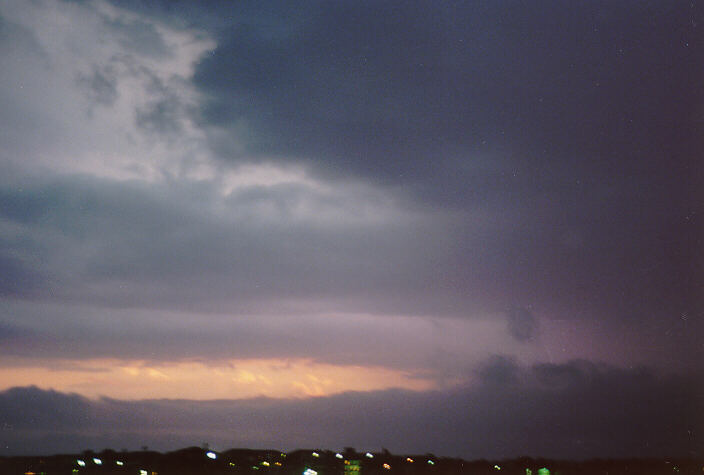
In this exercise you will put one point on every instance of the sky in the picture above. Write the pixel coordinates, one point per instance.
(466, 228)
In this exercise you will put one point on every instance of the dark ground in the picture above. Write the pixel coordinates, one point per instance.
(194, 461)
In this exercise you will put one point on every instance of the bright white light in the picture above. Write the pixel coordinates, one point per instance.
(338, 456)
(316, 454)
(497, 467)
(97, 461)
(81, 463)
(369, 455)
(120, 463)
(211, 455)
(310, 471)
(266, 464)
(143, 472)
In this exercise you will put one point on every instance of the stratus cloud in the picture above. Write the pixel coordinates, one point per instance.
(578, 410)
(184, 245)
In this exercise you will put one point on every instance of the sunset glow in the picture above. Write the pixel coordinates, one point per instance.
(234, 379)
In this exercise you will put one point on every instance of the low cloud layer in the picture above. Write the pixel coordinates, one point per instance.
(578, 409)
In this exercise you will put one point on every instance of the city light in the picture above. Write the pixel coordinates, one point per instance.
(387, 466)
(120, 463)
(338, 456)
(431, 462)
(369, 455)
(310, 471)
(143, 472)
(316, 454)
(81, 463)
(266, 464)
(211, 455)
(409, 459)
(97, 461)
(497, 467)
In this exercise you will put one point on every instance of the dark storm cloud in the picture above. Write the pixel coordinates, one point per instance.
(573, 126)
(602, 411)
(419, 93)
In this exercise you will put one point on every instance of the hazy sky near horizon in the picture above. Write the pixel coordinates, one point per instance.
(393, 204)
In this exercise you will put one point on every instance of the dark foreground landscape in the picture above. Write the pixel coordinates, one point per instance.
(201, 461)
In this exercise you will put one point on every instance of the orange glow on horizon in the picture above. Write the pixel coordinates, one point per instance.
(231, 379)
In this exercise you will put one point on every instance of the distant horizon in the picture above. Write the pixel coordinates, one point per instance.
(333, 452)
(50, 421)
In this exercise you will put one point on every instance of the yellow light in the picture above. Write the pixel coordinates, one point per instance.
(266, 464)
(387, 466)
(409, 459)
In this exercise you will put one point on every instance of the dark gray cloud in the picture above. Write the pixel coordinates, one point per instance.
(601, 411)
(494, 93)
(573, 126)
